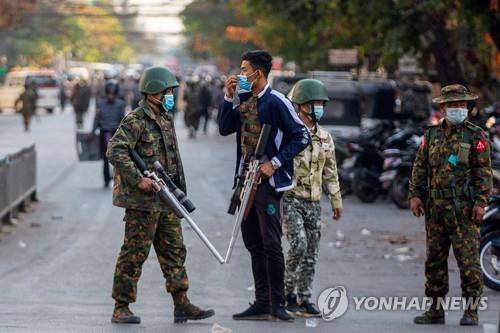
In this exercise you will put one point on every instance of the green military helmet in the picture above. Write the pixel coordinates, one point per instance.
(154, 80)
(308, 90)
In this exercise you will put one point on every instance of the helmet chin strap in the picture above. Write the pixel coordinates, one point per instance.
(156, 100)
(312, 114)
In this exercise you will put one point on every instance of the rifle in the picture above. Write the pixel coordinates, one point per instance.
(173, 197)
(248, 180)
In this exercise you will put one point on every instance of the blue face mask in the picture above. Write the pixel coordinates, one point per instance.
(168, 102)
(243, 82)
(456, 116)
(318, 111)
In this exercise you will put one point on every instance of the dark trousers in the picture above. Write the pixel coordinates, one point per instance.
(262, 233)
(105, 136)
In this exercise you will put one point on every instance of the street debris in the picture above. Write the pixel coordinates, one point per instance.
(216, 328)
(57, 218)
(339, 244)
(311, 322)
(22, 244)
(35, 225)
(365, 232)
(251, 287)
(403, 250)
(405, 257)
(340, 235)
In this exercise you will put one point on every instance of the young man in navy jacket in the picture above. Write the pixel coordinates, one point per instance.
(261, 231)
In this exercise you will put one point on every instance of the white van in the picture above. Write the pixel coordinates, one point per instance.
(46, 81)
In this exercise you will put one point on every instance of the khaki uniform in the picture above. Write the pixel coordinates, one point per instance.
(315, 171)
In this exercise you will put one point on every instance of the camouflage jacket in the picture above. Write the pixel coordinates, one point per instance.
(315, 169)
(458, 160)
(152, 135)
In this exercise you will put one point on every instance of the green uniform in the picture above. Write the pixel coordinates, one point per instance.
(451, 174)
(147, 220)
(315, 171)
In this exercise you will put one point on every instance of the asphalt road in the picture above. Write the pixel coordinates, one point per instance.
(56, 265)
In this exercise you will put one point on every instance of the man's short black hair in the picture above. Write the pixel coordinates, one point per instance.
(259, 59)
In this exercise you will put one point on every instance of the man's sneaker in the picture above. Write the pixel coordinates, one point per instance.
(123, 315)
(309, 310)
(280, 314)
(254, 312)
(188, 311)
(470, 318)
(432, 316)
(292, 305)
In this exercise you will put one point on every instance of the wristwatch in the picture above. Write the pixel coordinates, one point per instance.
(275, 165)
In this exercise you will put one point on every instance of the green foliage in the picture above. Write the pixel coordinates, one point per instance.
(54, 29)
(205, 24)
(449, 33)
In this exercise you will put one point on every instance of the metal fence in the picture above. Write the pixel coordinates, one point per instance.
(17, 179)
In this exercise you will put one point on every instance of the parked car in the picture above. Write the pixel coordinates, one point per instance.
(46, 81)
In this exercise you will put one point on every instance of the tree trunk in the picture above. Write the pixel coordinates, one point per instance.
(445, 53)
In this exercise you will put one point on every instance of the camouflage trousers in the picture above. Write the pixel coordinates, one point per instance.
(449, 225)
(164, 232)
(302, 227)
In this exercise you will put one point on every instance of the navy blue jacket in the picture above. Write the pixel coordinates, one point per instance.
(288, 134)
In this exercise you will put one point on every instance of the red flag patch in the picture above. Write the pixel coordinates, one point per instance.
(481, 146)
(423, 143)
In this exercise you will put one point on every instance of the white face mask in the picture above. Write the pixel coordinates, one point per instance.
(456, 116)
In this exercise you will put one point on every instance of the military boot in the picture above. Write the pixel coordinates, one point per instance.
(470, 318)
(184, 310)
(123, 315)
(431, 316)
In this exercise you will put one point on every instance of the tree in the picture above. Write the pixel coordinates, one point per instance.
(448, 35)
(41, 32)
(212, 29)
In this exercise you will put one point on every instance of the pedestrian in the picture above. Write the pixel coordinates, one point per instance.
(28, 100)
(315, 169)
(149, 130)
(109, 113)
(62, 93)
(192, 113)
(450, 185)
(80, 98)
(205, 102)
(261, 231)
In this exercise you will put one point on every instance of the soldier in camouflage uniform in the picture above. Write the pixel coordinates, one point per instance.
(149, 130)
(450, 185)
(315, 171)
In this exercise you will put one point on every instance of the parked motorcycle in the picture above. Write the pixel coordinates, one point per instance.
(395, 179)
(490, 244)
(369, 163)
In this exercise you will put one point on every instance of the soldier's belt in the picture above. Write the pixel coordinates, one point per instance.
(447, 193)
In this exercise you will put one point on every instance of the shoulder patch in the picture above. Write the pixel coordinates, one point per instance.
(473, 127)
(481, 145)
